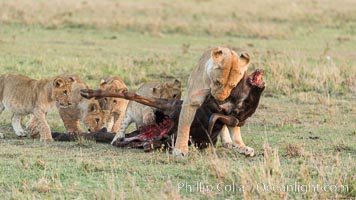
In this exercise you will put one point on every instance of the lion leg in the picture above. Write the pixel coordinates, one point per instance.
(77, 128)
(110, 122)
(119, 117)
(191, 103)
(186, 118)
(45, 133)
(16, 125)
(30, 126)
(70, 122)
(123, 126)
(73, 126)
(238, 143)
(33, 128)
(225, 137)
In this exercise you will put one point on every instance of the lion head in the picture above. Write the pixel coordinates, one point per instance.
(62, 91)
(168, 90)
(225, 71)
(93, 116)
(77, 85)
(112, 84)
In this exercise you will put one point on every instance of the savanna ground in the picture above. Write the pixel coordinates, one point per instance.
(303, 131)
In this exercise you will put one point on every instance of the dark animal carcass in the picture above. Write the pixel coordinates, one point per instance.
(209, 119)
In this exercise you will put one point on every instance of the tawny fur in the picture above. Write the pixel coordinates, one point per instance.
(87, 111)
(144, 115)
(114, 106)
(219, 70)
(92, 115)
(22, 96)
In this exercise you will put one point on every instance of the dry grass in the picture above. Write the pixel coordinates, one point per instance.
(257, 19)
(303, 131)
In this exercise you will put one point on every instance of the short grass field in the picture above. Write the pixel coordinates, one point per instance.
(303, 132)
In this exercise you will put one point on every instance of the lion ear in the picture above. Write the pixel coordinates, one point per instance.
(93, 107)
(155, 90)
(217, 55)
(217, 52)
(103, 82)
(177, 83)
(59, 82)
(124, 90)
(244, 60)
(72, 78)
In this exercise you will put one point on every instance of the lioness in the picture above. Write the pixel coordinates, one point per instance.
(115, 106)
(219, 70)
(22, 95)
(87, 111)
(144, 115)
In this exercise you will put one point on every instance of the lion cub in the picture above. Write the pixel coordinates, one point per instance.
(86, 110)
(144, 115)
(114, 106)
(22, 95)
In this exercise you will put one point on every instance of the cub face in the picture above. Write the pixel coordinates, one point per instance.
(94, 117)
(112, 84)
(168, 90)
(62, 91)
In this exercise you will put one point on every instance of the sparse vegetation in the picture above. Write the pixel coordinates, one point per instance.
(303, 131)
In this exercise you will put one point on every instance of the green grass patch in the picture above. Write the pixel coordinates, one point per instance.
(303, 131)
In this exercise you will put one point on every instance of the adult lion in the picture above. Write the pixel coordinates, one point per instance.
(22, 95)
(219, 70)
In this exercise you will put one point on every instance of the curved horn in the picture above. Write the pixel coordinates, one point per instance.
(162, 104)
(88, 93)
(229, 120)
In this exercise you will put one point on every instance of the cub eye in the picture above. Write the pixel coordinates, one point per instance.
(174, 96)
(114, 102)
(65, 92)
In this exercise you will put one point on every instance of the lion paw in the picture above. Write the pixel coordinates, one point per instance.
(21, 134)
(119, 136)
(247, 151)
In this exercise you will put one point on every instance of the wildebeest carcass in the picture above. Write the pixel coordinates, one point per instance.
(209, 120)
